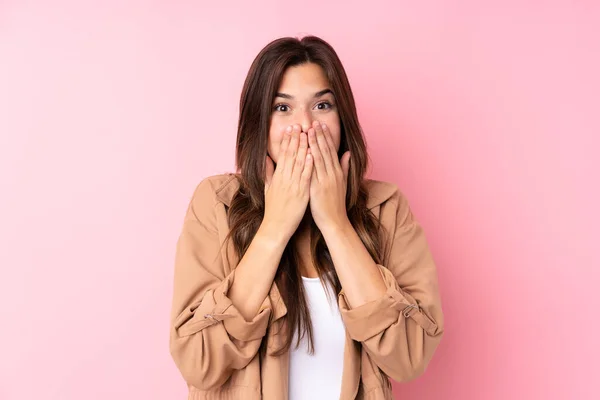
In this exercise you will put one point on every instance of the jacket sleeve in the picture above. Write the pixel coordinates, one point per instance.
(209, 338)
(401, 330)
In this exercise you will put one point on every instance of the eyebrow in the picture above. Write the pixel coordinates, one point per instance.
(318, 94)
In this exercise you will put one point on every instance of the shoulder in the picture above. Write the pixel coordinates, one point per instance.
(395, 208)
(384, 192)
(212, 188)
(209, 192)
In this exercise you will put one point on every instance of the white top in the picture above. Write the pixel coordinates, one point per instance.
(318, 376)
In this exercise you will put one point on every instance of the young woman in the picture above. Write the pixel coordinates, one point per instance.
(296, 277)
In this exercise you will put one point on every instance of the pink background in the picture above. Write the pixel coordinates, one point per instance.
(485, 113)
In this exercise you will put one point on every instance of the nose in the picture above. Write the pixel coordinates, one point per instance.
(306, 121)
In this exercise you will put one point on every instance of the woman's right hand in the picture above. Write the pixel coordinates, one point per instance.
(287, 187)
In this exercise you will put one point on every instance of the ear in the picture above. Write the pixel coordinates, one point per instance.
(270, 169)
(345, 164)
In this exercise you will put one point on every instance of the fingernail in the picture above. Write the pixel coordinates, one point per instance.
(323, 126)
(288, 129)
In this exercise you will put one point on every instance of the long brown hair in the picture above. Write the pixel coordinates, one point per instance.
(247, 207)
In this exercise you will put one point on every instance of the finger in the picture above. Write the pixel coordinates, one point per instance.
(323, 147)
(345, 165)
(292, 151)
(301, 157)
(319, 165)
(285, 142)
(307, 172)
(314, 179)
(269, 170)
(329, 139)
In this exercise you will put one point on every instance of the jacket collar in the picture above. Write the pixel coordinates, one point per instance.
(379, 191)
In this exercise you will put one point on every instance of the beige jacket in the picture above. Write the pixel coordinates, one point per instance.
(216, 349)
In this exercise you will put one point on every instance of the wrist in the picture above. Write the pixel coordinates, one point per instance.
(339, 228)
(271, 237)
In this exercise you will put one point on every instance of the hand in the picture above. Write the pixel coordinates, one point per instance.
(329, 181)
(287, 187)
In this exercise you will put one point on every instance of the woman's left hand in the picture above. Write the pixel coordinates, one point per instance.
(329, 180)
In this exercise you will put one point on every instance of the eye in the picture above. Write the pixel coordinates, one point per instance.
(281, 107)
(324, 105)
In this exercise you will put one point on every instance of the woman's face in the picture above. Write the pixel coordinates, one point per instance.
(304, 96)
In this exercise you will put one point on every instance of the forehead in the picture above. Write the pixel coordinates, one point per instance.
(307, 77)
